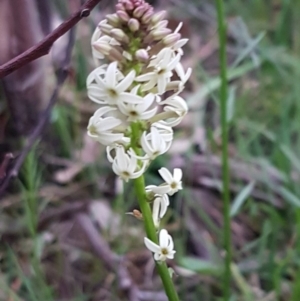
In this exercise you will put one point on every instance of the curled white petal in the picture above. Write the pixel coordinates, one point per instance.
(159, 209)
(104, 128)
(126, 166)
(154, 143)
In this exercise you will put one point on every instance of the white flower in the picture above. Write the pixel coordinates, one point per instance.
(154, 143)
(163, 65)
(165, 248)
(138, 111)
(101, 128)
(160, 205)
(126, 165)
(177, 105)
(108, 90)
(165, 131)
(172, 182)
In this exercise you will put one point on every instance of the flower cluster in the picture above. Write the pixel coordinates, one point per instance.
(137, 61)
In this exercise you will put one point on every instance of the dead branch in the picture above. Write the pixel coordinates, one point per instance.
(113, 262)
(33, 53)
(4, 164)
(61, 77)
(45, 45)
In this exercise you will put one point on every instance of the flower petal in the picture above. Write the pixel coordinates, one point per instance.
(126, 82)
(166, 175)
(163, 238)
(153, 247)
(110, 76)
(177, 174)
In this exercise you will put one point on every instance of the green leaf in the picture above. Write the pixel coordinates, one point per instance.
(201, 266)
(289, 196)
(241, 198)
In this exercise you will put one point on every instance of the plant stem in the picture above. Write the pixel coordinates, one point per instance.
(225, 166)
(139, 185)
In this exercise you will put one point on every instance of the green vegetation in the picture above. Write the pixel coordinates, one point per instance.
(45, 257)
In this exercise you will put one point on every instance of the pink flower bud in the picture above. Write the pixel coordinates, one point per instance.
(158, 16)
(123, 15)
(119, 35)
(171, 39)
(103, 47)
(129, 5)
(147, 16)
(142, 55)
(139, 11)
(160, 24)
(113, 19)
(160, 33)
(120, 6)
(115, 55)
(133, 25)
(105, 28)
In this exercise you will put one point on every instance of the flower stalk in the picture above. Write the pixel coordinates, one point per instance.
(137, 61)
(225, 165)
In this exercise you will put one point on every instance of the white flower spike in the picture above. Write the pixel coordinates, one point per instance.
(130, 86)
(165, 248)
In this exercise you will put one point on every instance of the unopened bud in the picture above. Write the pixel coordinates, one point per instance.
(139, 11)
(120, 6)
(127, 55)
(128, 5)
(115, 55)
(161, 24)
(171, 39)
(133, 25)
(113, 19)
(103, 47)
(158, 16)
(123, 15)
(105, 28)
(119, 35)
(160, 33)
(136, 213)
(147, 17)
(142, 55)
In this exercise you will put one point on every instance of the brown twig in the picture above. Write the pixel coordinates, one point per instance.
(4, 165)
(45, 45)
(61, 77)
(33, 53)
(113, 262)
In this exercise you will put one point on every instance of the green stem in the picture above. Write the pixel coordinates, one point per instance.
(225, 166)
(139, 185)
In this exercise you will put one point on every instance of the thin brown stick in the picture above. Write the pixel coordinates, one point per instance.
(4, 165)
(45, 45)
(61, 77)
(112, 261)
(31, 54)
